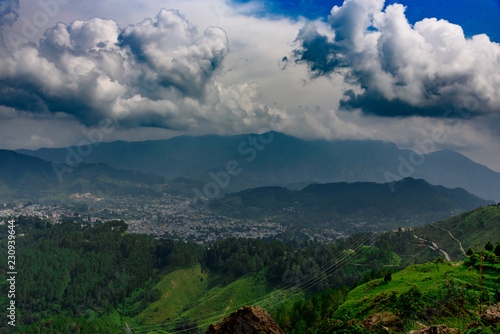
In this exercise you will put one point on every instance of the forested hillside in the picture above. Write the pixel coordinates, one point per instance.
(100, 279)
(351, 207)
(471, 229)
(106, 276)
(452, 295)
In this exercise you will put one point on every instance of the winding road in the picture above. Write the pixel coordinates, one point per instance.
(435, 247)
(451, 235)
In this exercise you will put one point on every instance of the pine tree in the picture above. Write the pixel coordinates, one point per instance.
(470, 252)
(497, 249)
(489, 246)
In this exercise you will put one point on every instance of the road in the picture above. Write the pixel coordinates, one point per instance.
(435, 247)
(451, 235)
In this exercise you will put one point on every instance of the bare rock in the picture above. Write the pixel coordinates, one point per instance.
(383, 321)
(246, 320)
(438, 329)
(491, 317)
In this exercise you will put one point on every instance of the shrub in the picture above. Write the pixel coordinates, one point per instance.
(409, 305)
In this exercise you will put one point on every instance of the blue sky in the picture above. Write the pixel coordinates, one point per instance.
(475, 16)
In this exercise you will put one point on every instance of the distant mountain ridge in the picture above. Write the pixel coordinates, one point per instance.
(350, 207)
(29, 178)
(276, 159)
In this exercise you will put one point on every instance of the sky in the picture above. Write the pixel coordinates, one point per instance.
(423, 74)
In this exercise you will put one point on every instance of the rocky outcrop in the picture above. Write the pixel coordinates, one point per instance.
(491, 317)
(383, 321)
(246, 320)
(438, 329)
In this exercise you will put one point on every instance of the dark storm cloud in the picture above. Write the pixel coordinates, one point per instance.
(402, 70)
(373, 103)
(160, 72)
(321, 55)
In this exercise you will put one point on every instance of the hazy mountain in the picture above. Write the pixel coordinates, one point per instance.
(30, 178)
(351, 207)
(278, 159)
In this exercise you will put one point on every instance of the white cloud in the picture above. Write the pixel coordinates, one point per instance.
(160, 72)
(403, 69)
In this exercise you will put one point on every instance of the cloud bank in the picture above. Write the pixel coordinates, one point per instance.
(402, 70)
(158, 73)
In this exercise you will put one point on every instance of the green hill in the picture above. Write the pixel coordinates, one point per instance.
(434, 293)
(101, 273)
(102, 277)
(351, 207)
(456, 234)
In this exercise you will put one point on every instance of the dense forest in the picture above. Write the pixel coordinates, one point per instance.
(81, 278)
(350, 207)
(80, 271)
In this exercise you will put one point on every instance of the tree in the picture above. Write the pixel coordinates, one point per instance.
(300, 327)
(489, 246)
(497, 249)
(470, 252)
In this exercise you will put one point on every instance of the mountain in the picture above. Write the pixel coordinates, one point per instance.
(29, 178)
(279, 160)
(350, 207)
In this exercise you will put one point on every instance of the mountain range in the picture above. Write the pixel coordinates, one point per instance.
(342, 207)
(276, 159)
(24, 177)
(350, 207)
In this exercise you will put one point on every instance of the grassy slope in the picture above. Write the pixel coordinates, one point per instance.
(178, 290)
(373, 297)
(185, 295)
(220, 301)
